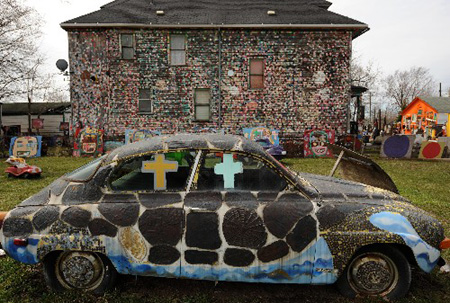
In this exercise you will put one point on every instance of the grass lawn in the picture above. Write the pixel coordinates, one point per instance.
(427, 184)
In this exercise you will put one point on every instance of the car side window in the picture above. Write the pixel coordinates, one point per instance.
(154, 172)
(235, 172)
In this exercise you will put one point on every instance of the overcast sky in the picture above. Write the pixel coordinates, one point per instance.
(403, 33)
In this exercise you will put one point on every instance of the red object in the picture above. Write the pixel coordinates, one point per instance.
(38, 123)
(20, 242)
(26, 171)
(432, 150)
(445, 244)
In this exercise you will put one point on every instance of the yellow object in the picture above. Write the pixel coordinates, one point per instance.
(159, 168)
(448, 126)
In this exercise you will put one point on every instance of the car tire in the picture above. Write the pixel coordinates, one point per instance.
(93, 272)
(378, 271)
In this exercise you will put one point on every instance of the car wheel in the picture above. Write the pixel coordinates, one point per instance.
(85, 271)
(382, 271)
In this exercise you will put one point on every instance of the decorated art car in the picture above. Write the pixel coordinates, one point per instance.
(218, 207)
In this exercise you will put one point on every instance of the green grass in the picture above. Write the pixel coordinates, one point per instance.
(424, 183)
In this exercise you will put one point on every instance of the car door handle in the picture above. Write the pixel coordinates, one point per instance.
(195, 209)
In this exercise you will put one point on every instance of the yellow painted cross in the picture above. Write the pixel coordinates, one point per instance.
(159, 168)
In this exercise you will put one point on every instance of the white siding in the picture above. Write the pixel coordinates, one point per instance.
(51, 123)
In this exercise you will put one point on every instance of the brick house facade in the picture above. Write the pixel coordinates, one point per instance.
(291, 74)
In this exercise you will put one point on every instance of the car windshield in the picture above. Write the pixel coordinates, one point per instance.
(85, 172)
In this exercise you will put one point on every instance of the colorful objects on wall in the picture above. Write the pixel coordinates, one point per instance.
(159, 167)
(133, 135)
(88, 143)
(228, 168)
(431, 150)
(310, 88)
(26, 147)
(262, 133)
(315, 143)
(398, 146)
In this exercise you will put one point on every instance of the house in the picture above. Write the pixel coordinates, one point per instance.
(14, 118)
(426, 113)
(177, 66)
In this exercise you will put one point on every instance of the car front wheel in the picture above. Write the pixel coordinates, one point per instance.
(85, 271)
(382, 271)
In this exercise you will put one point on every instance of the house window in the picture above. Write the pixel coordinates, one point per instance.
(256, 73)
(127, 44)
(202, 99)
(145, 102)
(177, 50)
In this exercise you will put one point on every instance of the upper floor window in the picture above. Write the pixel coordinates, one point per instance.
(256, 73)
(145, 102)
(127, 45)
(202, 100)
(177, 50)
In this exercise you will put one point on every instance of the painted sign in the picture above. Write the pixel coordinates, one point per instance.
(431, 150)
(26, 147)
(261, 133)
(315, 143)
(133, 135)
(64, 126)
(89, 143)
(398, 146)
(37, 123)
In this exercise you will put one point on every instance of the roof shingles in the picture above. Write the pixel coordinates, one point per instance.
(215, 12)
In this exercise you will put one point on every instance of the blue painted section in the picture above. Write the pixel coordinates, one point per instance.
(228, 168)
(426, 255)
(323, 269)
(262, 132)
(24, 254)
(314, 265)
(39, 146)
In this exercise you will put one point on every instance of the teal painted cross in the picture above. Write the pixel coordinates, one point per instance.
(228, 169)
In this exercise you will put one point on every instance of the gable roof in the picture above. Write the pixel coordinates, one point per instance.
(217, 14)
(441, 104)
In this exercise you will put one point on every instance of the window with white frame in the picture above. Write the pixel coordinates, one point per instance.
(202, 101)
(177, 50)
(127, 45)
(145, 102)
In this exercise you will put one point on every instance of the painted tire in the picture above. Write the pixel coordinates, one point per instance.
(84, 271)
(382, 271)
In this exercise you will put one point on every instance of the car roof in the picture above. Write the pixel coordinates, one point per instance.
(187, 141)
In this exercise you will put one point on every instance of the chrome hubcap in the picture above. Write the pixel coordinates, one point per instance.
(373, 274)
(79, 270)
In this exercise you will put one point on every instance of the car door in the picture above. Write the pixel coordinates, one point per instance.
(153, 185)
(243, 223)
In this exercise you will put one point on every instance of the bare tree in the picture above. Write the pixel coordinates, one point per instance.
(403, 86)
(19, 31)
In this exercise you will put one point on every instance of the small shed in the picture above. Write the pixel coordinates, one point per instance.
(15, 117)
(426, 113)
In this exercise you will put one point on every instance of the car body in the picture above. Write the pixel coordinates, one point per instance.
(276, 151)
(217, 207)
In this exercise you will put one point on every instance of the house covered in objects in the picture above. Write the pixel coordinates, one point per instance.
(428, 114)
(179, 66)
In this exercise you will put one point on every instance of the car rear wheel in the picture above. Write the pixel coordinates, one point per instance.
(85, 271)
(382, 271)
